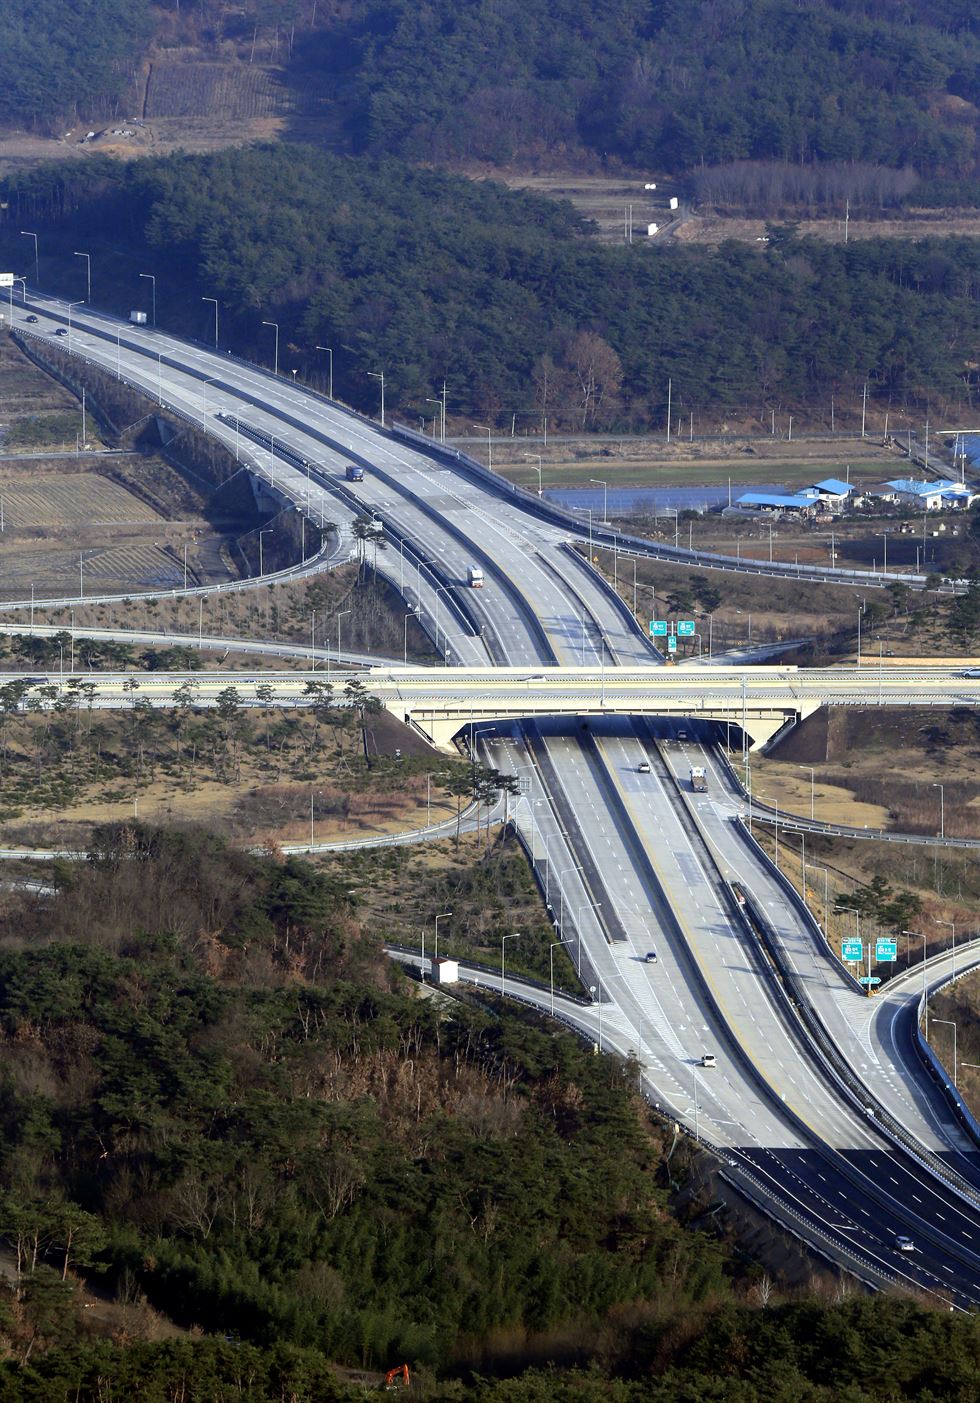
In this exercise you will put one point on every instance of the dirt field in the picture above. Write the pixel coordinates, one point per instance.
(855, 754)
(712, 230)
(55, 500)
(257, 783)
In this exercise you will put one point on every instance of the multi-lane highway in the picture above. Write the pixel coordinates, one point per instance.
(628, 861)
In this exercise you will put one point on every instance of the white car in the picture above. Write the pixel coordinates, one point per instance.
(905, 1244)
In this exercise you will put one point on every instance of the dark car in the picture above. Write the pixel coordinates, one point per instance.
(60, 331)
(32, 318)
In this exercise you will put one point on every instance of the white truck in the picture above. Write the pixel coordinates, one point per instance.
(699, 780)
(474, 577)
(138, 318)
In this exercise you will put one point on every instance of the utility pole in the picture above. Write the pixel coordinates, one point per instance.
(864, 409)
(670, 386)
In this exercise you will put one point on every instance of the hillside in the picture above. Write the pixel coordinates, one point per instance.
(430, 277)
(868, 97)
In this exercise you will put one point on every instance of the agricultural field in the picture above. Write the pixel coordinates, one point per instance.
(58, 500)
(652, 462)
(226, 91)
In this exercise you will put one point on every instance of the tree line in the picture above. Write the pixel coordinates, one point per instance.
(674, 85)
(500, 293)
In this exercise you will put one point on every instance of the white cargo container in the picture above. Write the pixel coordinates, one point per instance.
(673, 202)
(652, 229)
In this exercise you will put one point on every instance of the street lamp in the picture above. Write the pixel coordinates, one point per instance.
(153, 290)
(551, 961)
(484, 429)
(605, 498)
(942, 809)
(812, 778)
(950, 1024)
(88, 273)
(275, 327)
(410, 615)
(215, 301)
(379, 375)
(920, 935)
(443, 916)
(268, 531)
(952, 926)
(538, 456)
(70, 305)
(430, 400)
(204, 401)
(329, 352)
(29, 234)
(340, 615)
(516, 936)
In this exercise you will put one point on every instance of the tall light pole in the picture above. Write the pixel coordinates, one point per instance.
(551, 961)
(29, 234)
(88, 273)
(538, 457)
(268, 531)
(204, 400)
(380, 375)
(605, 498)
(950, 1024)
(329, 351)
(443, 916)
(275, 327)
(340, 615)
(488, 431)
(430, 400)
(70, 305)
(952, 926)
(214, 300)
(942, 809)
(153, 290)
(812, 779)
(516, 936)
(409, 615)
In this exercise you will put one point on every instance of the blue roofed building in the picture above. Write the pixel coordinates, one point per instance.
(833, 491)
(933, 496)
(801, 503)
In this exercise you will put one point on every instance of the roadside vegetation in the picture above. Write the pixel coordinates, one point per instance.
(261, 774)
(237, 1145)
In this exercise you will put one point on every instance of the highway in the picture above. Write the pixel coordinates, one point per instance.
(623, 864)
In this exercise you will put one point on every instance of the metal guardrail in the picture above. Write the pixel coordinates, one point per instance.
(860, 1096)
(937, 1069)
(798, 823)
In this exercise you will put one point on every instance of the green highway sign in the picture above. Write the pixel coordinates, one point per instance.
(886, 950)
(658, 627)
(685, 628)
(671, 644)
(869, 979)
(851, 951)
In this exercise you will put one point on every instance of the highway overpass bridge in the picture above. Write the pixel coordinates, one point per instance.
(441, 701)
